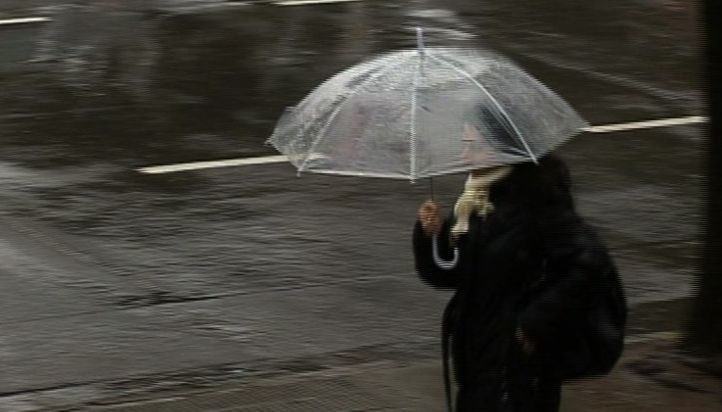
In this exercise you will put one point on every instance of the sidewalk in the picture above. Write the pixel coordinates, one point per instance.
(647, 379)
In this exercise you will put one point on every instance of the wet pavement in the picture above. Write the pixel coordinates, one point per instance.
(108, 274)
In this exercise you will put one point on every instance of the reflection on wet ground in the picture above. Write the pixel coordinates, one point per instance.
(112, 88)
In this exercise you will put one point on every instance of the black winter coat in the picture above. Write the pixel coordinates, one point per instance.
(530, 264)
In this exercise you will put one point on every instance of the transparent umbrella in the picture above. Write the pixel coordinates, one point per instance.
(424, 112)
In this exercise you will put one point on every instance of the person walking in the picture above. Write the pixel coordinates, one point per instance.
(526, 274)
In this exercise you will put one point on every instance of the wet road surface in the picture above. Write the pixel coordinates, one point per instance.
(109, 274)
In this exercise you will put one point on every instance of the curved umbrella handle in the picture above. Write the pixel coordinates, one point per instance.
(444, 264)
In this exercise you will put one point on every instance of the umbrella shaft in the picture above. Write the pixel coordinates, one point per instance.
(420, 40)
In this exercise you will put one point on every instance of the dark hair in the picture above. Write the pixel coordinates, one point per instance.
(479, 115)
(543, 186)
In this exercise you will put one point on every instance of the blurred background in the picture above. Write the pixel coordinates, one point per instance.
(119, 286)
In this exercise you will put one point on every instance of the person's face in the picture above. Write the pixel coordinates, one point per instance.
(475, 148)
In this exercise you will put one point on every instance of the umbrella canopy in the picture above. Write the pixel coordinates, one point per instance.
(425, 112)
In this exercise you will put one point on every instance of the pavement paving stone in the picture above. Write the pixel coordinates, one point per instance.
(635, 385)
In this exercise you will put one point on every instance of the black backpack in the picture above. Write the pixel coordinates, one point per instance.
(596, 344)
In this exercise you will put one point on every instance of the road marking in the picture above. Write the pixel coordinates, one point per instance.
(306, 2)
(653, 336)
(182, 167)
(24, 20)
(646, 124)
(247, 161)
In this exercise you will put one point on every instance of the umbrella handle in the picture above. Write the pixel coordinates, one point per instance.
(443, 264)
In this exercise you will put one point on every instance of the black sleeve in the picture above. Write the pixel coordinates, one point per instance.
(428, 271)
(575, 259)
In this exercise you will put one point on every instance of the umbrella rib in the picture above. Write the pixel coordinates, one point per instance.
(412, 123)
(325, 127)
(493, 100)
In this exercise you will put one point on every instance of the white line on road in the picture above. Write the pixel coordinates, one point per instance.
(307, 2)
(652, 336)
(646, 124)
(24, 20)
(182, 167)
